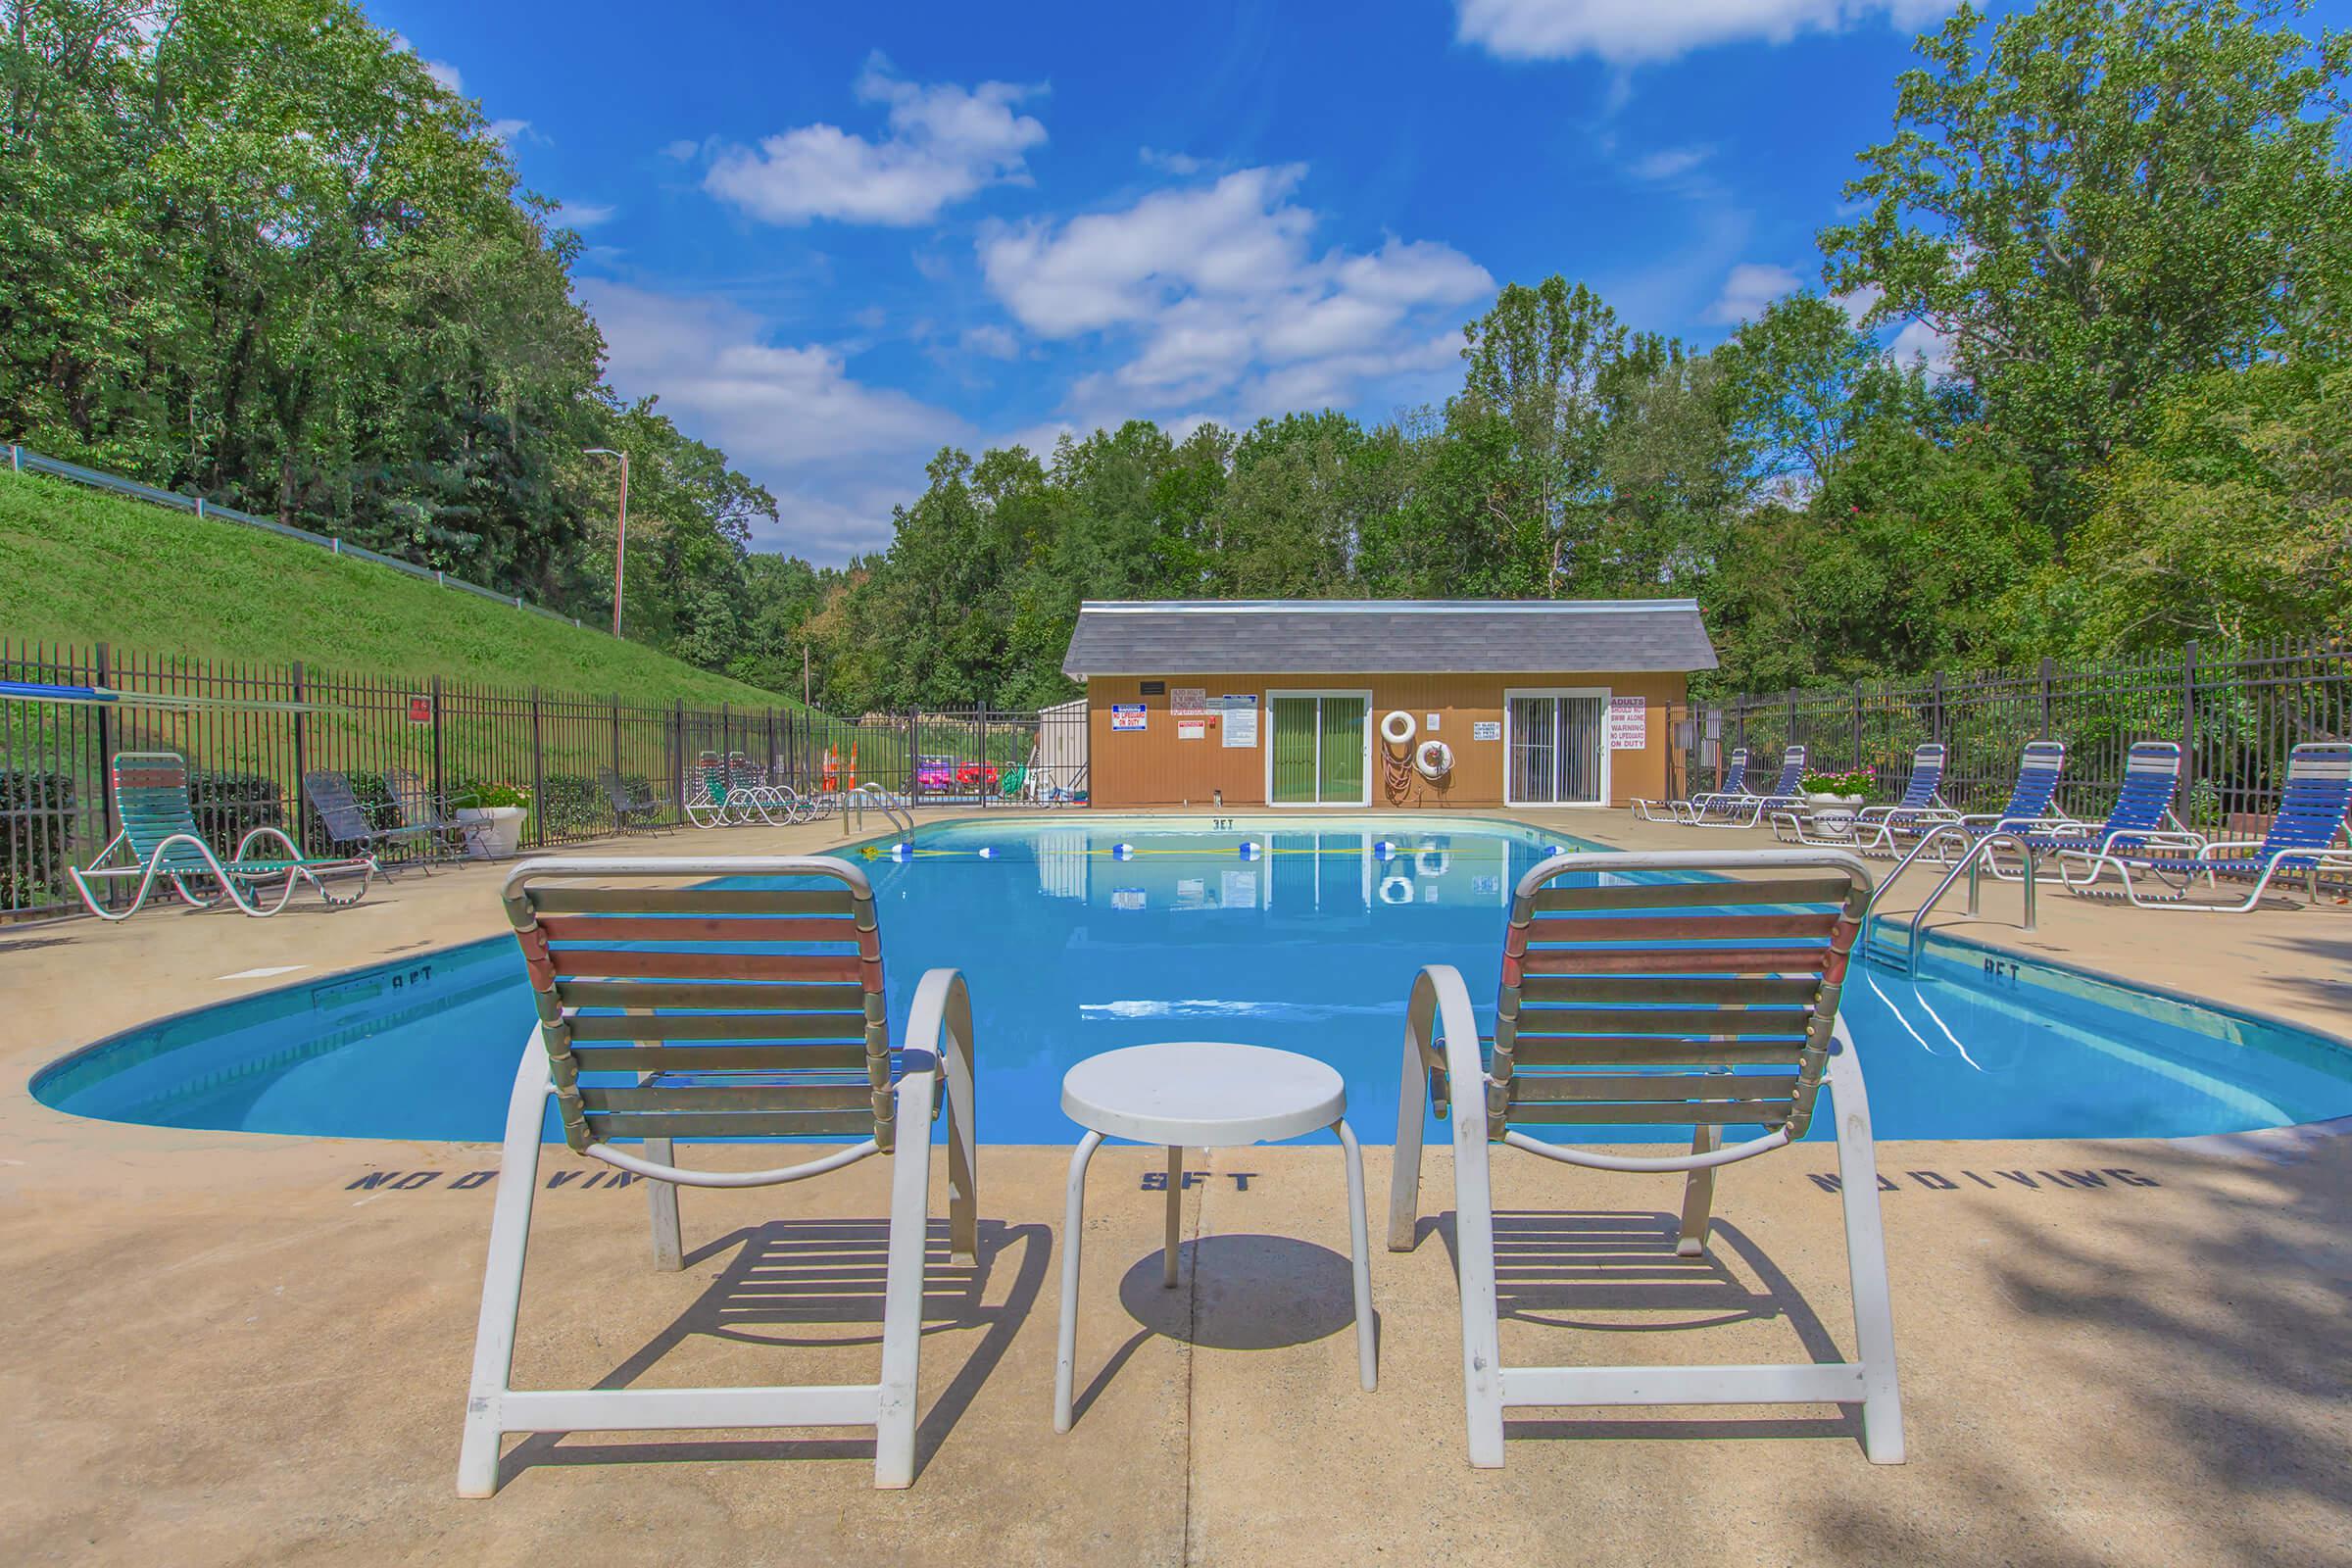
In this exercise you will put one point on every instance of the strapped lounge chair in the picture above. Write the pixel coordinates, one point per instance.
(708, 802)
(2038, 769)
(752, 794)
(1609, 1015)
(159, 831)
(347, 823)
(1747, 810)
(1733, 787)
(2141, 818)
(421, 809)
(717, 1034)
(631, 811)
(1874, 825)
(2305, 836)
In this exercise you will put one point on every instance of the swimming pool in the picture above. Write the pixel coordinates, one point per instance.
(1083, 934)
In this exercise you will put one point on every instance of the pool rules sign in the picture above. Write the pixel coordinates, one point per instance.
(1628, 723)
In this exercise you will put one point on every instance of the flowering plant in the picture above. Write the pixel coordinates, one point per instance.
(1858, 782)
(482, 795)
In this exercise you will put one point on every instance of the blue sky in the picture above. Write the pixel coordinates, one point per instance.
(836, 237)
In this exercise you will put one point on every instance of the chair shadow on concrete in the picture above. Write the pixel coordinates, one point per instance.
(817, 1283)
(1616, 1273)
(1243, 1291)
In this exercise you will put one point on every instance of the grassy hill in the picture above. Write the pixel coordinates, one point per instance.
(80, 565)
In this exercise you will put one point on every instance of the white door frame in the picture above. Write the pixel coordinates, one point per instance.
(1511, 693)
(1267, 719)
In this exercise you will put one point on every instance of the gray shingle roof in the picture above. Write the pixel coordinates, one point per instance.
(1394, 636)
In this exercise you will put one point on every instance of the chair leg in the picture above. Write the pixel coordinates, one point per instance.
(1404, 1170)
(902, 1283)
(1073, 1227)
(669, 1250)
(1359, 1254)
(1866, 1259)
(1699, 1194)
(1474, 1239)
(501, 1277)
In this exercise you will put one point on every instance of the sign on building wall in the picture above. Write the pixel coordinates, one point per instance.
(1486, 729)
(1188, 702)
(1191, 729)
(1240, 726)
(1126, 715)
(1629, 723)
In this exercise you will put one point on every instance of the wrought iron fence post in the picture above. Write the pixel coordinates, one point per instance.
(2188, 720)
(104, 662)
(1857, 726)
(440, 781)
(302, 756)
(1935, 723)
(2048, 665)
(538, 777)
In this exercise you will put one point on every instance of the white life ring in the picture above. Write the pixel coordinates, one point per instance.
(1435, 758)
(1397, 727)
(1400, 887)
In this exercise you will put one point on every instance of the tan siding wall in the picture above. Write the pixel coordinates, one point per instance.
(1153, 768)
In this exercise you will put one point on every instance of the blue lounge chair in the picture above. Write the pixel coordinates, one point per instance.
(2307, 835)
(1874, 826)
(2029, 807)
(1747, 810)
(159, 832)
(2141, 818)
(1733, 786)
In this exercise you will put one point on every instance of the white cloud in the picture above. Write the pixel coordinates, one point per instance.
(682, 149)
(1918, 339)
(1225, 301)
(792, 417)
(944, 143)
(441, 71)
(1637, 31)
(997, 342)
(1750, 287)
(584, 214)
(1169, 163)
(1669, 162)
(512, 132)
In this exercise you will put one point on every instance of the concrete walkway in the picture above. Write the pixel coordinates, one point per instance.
(232, 1349)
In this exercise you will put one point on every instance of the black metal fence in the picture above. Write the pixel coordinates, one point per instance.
(2238, 714)
(251, 732)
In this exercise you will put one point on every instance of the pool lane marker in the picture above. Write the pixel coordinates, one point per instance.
(263, 973)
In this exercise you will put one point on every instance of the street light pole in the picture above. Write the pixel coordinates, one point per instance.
(621, 542)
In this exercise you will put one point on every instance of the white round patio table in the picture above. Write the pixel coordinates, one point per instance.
(1202, 1094)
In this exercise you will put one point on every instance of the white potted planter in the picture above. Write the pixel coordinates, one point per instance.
(492, 832)
(1830, 802)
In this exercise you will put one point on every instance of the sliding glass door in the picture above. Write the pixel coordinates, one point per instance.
(1556, 758)
(1318, 749)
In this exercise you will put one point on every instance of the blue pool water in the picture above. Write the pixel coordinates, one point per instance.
(1071, 949)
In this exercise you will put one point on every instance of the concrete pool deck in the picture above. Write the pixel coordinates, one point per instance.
(235, 1348)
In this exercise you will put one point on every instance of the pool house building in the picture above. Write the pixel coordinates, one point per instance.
(1413, 705)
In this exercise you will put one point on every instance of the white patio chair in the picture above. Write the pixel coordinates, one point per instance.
(1706, 1004)
(668, 1012)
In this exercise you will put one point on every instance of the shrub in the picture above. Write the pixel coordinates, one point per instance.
(36, 836)
(572, 806)
(230, 804)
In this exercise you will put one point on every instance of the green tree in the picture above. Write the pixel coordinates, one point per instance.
(2098, 197)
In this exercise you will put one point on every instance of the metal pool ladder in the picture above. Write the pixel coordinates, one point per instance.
(873, 795)
(1903, 956)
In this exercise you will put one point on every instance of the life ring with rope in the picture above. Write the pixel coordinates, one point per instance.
(1433, 759)
(1397, 727)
